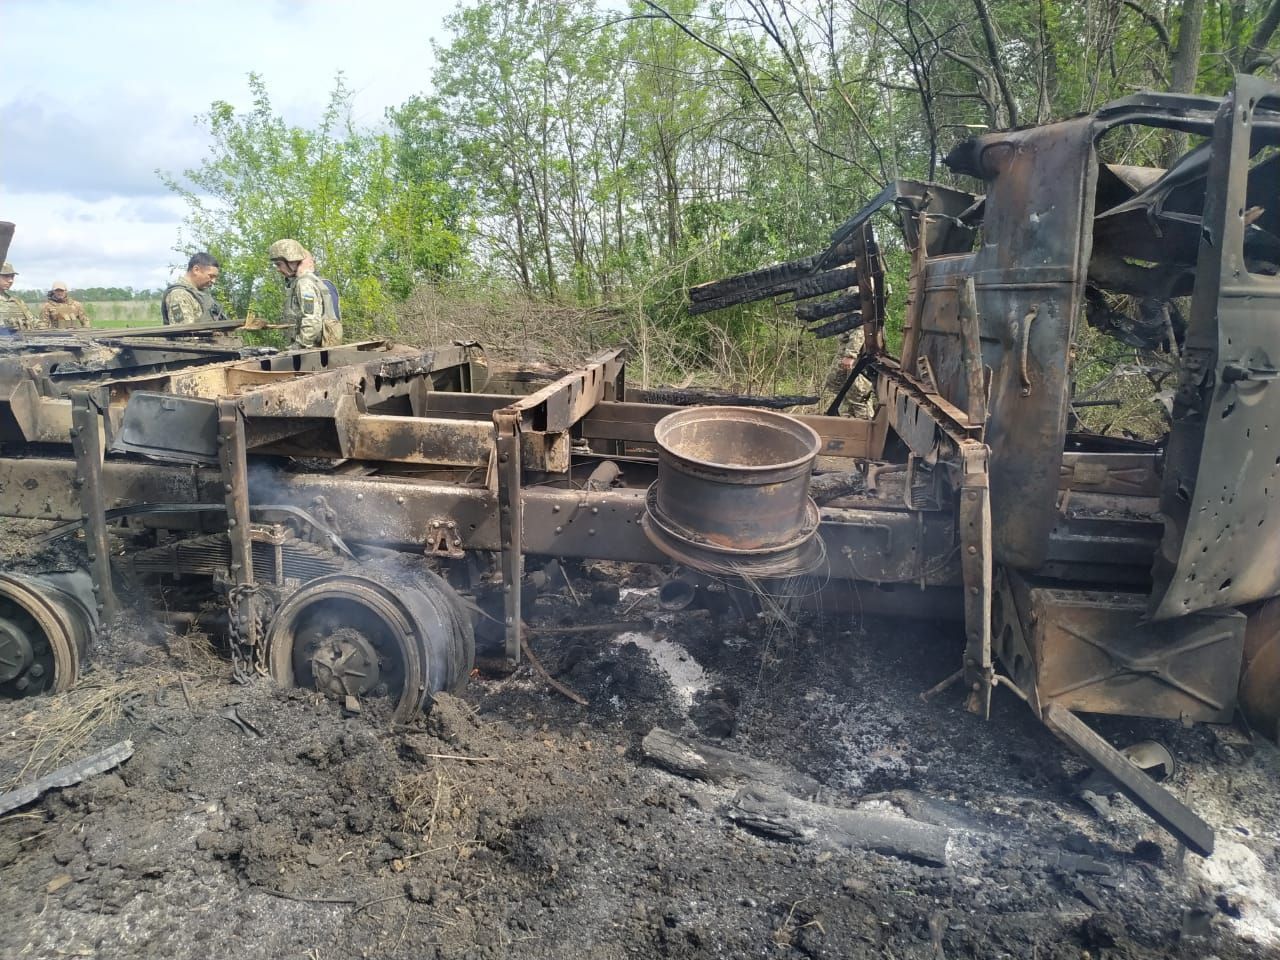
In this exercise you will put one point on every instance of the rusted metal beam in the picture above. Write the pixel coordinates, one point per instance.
(510, 525)
(1157, 802)
(634, 422)
(976, 564)
(233, 459)
(87, 444)
(971, 348)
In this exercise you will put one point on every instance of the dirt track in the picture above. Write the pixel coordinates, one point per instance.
(512, 822)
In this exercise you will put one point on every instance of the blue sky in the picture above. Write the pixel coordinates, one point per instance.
(95, 96)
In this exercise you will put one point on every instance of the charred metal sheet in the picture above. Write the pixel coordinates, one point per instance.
(1157, 802)
(181, 429)
(1095, 651)
(1029, 278)
(1223, 459)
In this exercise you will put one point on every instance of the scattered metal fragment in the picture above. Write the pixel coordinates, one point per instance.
(246, 727)
(68, 775)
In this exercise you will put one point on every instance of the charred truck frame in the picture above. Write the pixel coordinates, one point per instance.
(342, 500)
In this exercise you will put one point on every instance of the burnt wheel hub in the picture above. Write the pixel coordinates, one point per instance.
(344, 664)
(16, 653)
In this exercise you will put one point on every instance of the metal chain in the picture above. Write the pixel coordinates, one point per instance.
(246, 661)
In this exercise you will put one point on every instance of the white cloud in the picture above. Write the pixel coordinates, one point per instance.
(97, 96)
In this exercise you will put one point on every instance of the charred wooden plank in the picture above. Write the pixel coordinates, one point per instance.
(809, 312)
(839, 325)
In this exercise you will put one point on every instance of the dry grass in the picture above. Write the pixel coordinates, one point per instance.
(61, 726)
(776, 357)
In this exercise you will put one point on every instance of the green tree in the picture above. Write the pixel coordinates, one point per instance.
(376, 217)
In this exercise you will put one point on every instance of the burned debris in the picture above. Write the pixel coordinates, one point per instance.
(369, 514)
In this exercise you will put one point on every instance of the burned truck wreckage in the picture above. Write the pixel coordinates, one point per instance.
(369, 513)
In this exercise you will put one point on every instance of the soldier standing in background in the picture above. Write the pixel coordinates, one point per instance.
(308, 307)
(13, 312)
(188, 300)
(60, 312)
(858, 401)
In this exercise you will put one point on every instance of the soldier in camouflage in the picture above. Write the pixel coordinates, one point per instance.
(308, 308)
(858, 401)
(13, 312)
(187, 299)
(61, 312)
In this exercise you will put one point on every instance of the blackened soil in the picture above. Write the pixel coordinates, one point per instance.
(512, 822)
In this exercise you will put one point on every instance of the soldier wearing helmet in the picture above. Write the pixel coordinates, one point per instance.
(187, 299)
(308, 307)
(13, 312)
(60, 311)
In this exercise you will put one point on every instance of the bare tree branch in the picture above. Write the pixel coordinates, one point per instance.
(738, 65)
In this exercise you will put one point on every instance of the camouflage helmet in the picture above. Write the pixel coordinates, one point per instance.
(7, 270)
(290, 250)
(59, 285)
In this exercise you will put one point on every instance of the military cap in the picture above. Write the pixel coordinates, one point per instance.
(290, 250)
(7, 270)
(59, 285)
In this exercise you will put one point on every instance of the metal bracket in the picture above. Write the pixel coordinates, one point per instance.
(86, 442)
(443, 540)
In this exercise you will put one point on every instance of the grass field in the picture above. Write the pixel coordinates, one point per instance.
(114, 314)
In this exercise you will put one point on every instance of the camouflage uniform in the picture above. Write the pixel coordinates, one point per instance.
(64, 314)
(858, 401)
(310, 312)
(183, 303)
(13, 312)
(308, 307)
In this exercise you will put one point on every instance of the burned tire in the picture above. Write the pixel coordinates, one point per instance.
(398, 633)
(45, 630)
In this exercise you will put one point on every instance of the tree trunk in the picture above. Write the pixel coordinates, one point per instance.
(1186, 66)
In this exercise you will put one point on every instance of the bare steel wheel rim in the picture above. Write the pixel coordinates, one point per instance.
(43, 635)
(349, 635)
(394, 632)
